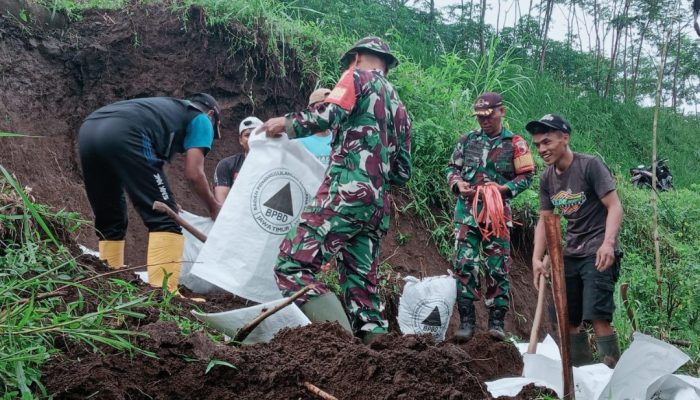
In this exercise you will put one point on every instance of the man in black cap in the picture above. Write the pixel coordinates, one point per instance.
(581, 187)
(123, 146)
(494, 156)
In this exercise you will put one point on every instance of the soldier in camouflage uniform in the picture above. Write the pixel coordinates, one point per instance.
(491, 155)
(371, 149)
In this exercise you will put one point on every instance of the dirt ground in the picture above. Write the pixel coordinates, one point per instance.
(53, 74)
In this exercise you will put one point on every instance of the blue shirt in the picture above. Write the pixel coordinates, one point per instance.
(200, 133)
(320, 146)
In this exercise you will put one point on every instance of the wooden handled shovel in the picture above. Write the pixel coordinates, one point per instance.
(162, 207)
(553, 233)
(534, 332)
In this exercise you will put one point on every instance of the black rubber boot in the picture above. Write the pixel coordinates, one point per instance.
(496, 323)
(609, 350)
(467, 319)
(580, 350)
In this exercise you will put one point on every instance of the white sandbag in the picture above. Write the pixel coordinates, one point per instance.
(278, 178)
(191, 251)
(229, 322)
(426, 305)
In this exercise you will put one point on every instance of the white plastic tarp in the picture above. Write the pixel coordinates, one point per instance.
(278, 178)
(229, 322)
(426, 305)
(643, 372)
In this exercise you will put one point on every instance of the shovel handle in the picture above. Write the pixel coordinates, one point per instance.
(164, 208)
(534, 332)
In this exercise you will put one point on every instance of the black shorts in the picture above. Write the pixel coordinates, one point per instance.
(589, 293)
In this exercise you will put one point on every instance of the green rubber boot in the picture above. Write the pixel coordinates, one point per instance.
(326, 307)
(580, 349)
(609, 350)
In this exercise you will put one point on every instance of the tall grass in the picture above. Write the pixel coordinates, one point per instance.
(40, 300)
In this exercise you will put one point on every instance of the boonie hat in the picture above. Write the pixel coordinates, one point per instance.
(209, 104)
(486, 102)
(249, 123)
(372, 44)
(549, 122)
(319, 95)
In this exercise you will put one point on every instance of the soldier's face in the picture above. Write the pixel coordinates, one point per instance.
(551, 146)
(491, 124)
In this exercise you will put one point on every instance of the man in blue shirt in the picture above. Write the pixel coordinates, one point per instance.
(319, 144)
(123, 146)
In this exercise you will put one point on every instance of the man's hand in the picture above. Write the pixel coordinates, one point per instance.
(539, 268)
(604, 257)
(273, 127)
(502, 189)
(214, 210)
(465, 189)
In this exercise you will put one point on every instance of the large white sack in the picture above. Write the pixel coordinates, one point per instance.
(426, 305)
(229, 322)
(278, 178)
(191, 251)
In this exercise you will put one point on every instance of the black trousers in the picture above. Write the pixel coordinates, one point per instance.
(114, 159)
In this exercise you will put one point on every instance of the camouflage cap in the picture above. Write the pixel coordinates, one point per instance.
(371, 44)
(319, 95)
(205, 102)
(486, 102)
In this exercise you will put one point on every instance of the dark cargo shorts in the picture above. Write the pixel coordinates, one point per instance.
(589, 293)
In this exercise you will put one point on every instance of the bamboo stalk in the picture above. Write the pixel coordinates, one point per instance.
(553, 234)
(654, 206)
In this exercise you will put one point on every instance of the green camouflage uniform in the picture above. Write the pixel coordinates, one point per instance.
(350, 212)
(478, 159)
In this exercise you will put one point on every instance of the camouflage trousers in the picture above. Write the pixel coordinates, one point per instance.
(319, 237)
(470, 249)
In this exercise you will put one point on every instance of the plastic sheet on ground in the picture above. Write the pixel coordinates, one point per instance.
(278, 178)
(229, 322)
(643, 372)
(426, 305)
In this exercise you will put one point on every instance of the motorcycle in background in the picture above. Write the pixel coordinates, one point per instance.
(640, 176)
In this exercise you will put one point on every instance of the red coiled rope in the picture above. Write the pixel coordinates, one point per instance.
(491, 219)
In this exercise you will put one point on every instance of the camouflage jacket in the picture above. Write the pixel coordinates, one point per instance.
(478, 159)
(371, 146)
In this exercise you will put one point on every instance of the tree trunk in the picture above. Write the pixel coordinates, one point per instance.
(544, 32)
(625, 54)
(635, 71)
(482, 27)
(655, 211)
(498, 17)
(597, 46)
(674, 89)
(615, 48)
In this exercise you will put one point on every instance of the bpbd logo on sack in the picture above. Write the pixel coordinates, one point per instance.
(277, 200)
(431, 316)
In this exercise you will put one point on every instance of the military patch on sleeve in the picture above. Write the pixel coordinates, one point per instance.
(522, 158)
(344, 92)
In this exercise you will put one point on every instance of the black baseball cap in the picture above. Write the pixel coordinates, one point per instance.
(548, 123)
(209, 103)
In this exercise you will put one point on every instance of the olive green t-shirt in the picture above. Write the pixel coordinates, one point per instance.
(576, 194)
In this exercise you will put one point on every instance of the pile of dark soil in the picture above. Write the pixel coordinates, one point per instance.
(395, 367)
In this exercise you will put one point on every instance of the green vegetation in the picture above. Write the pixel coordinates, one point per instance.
(45, 295)
(447, 59)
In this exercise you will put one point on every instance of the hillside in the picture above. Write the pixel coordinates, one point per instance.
(262, 57)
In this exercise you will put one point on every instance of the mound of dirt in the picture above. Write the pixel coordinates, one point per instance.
(395, 367)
